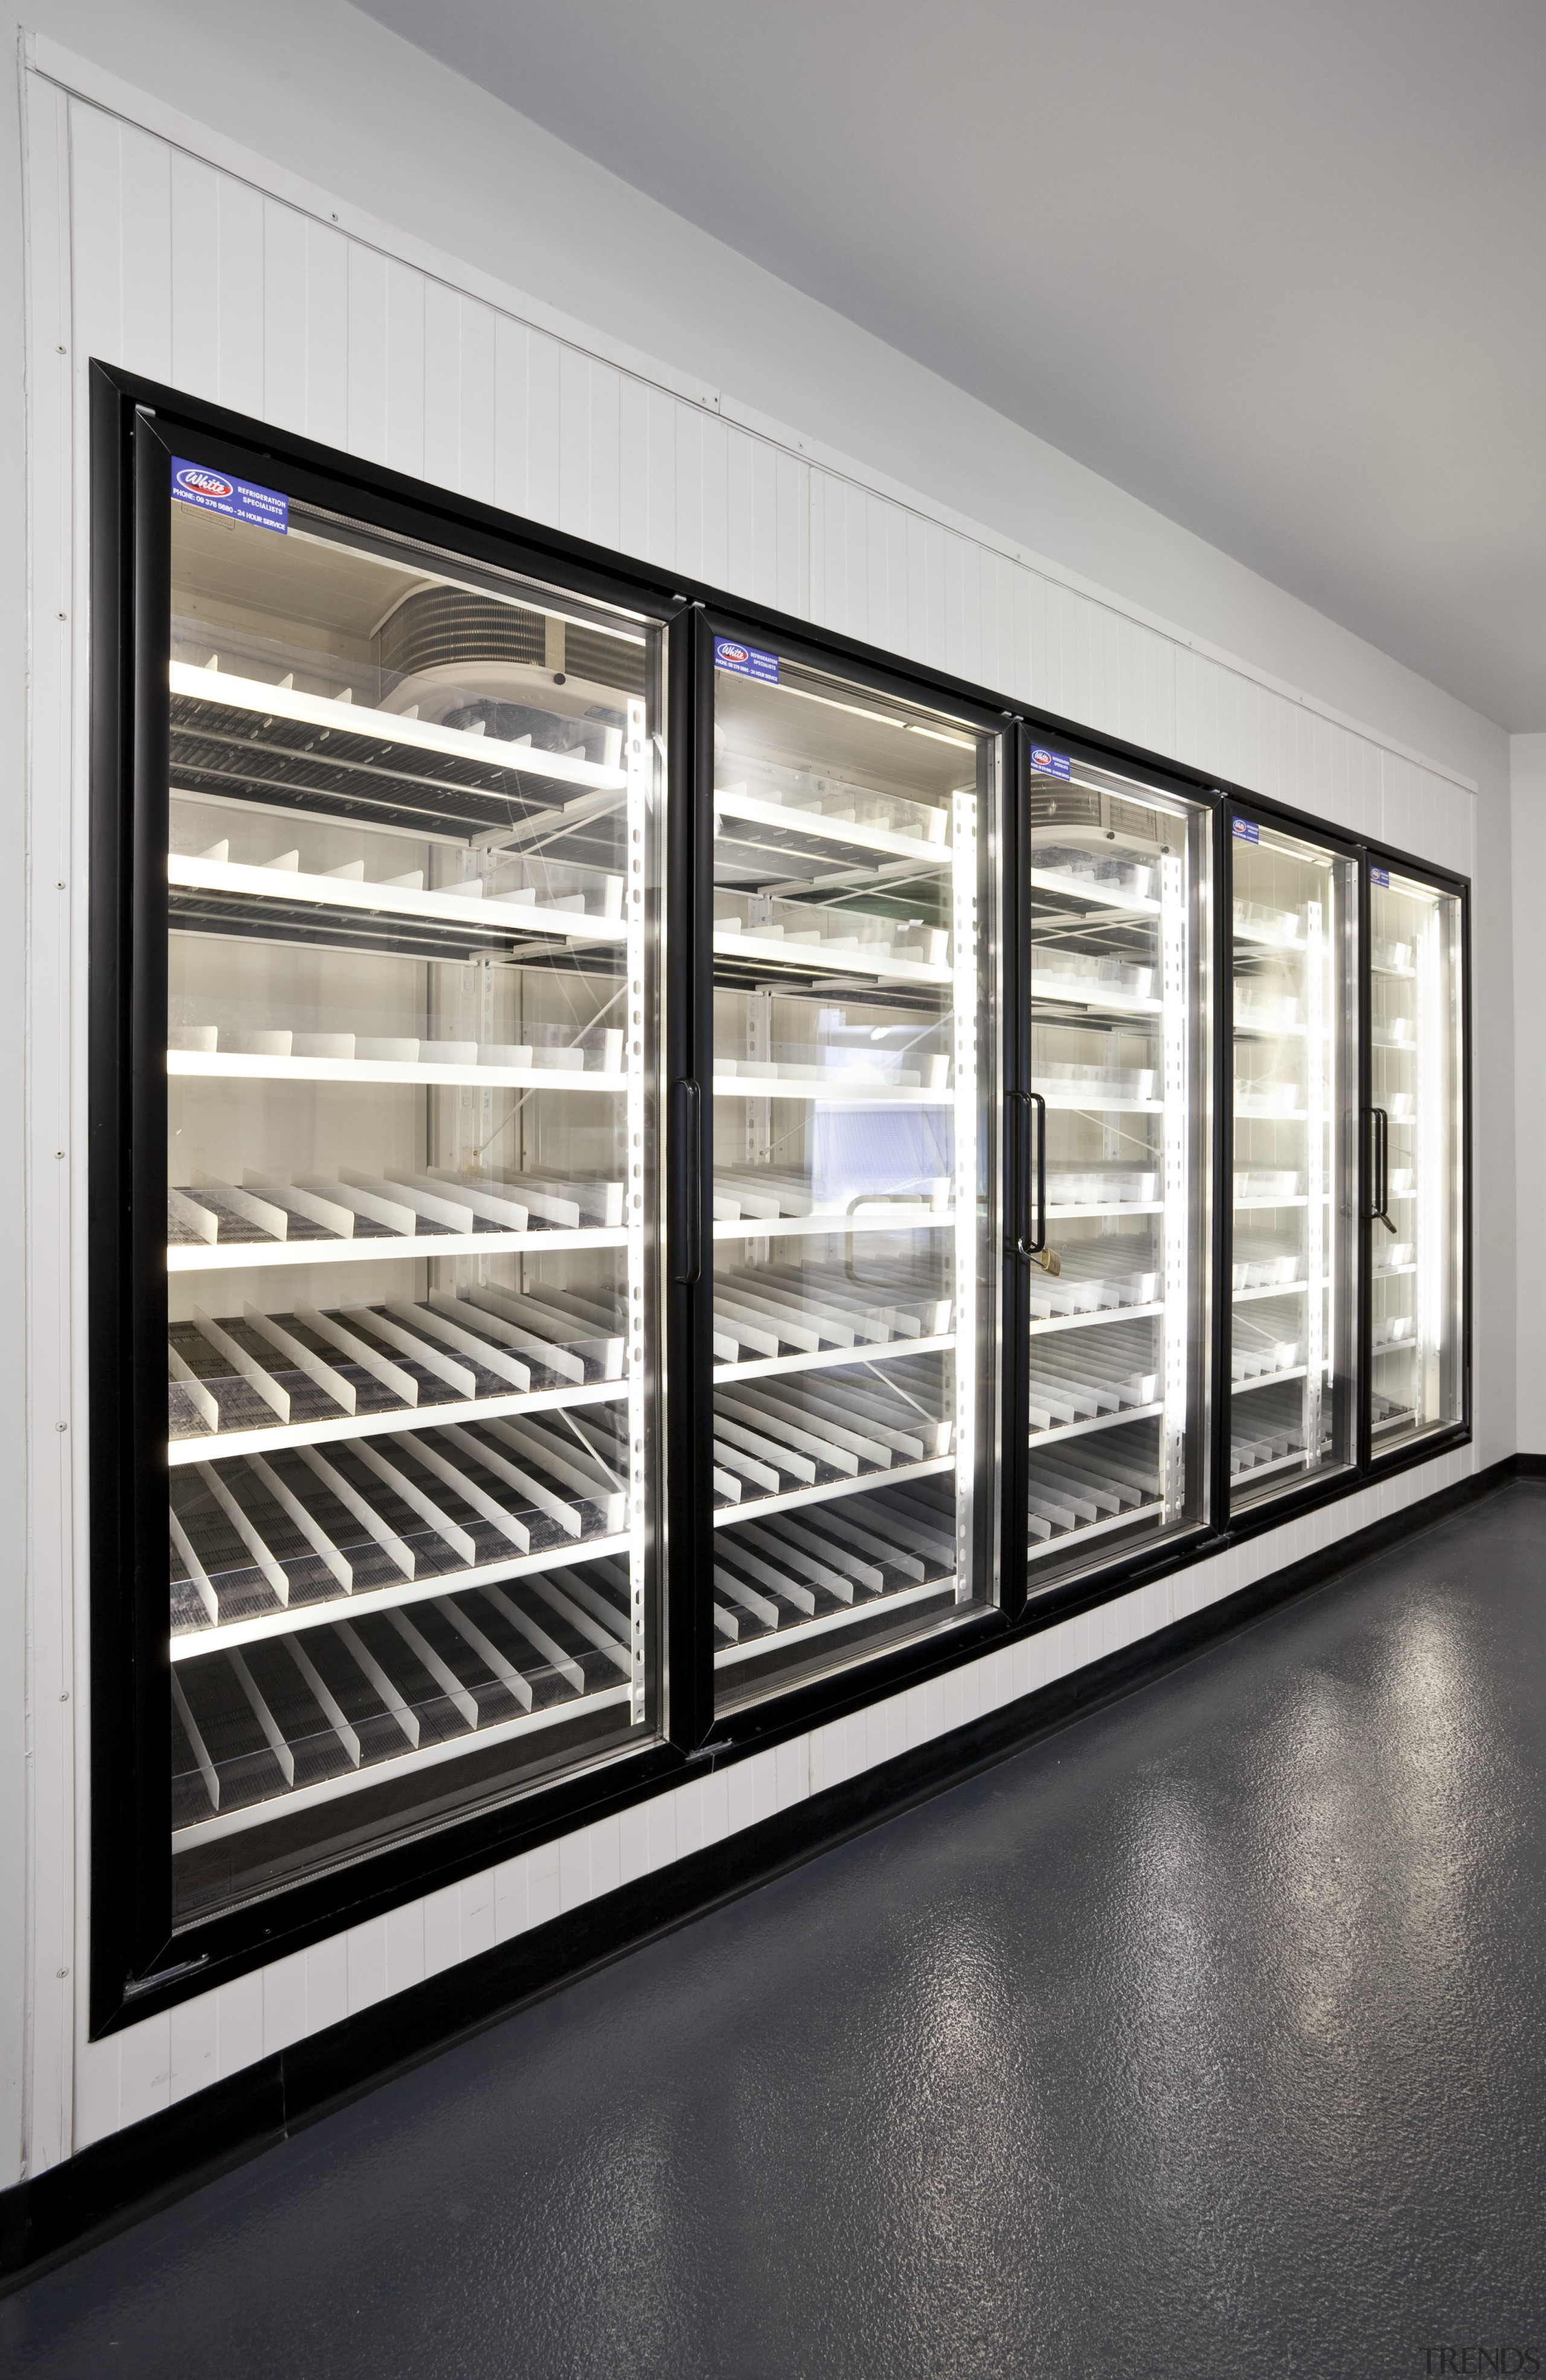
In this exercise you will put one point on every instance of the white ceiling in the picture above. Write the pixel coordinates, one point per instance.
(1279, 270)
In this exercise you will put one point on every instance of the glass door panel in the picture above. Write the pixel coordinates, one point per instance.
(1120, 1007)
(852, 1139)
(1417, 1151)
(1292, 1302)
(410, 1109)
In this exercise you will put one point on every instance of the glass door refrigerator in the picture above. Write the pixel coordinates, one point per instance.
(1293, 928)
(392, 872)
(845, 1091)
(1113, 1209)
(1417, 1130)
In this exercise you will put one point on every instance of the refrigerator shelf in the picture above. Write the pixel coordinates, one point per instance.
(239, 1067)
(467, 920)
(824, 1623)
(1269, 1379)
(788, 1499)
(359, 737)
(840, 1087)
(825, 1359)
(829, 1570)
(1060, 1214)
(200, 1445)
(819, 959)
(252, 1539)
(790, 831)
(1068, 992)
(1052, 1536)
(448, 800)
(1271, 1289)
(1090, 1425)
(370, 1357)
(386, 1769)
(1251, 1028)
(1244, 1465)
(1255, 941)
(191, 1638)
(1103, 1314)
(799, 1306)
(1088, 1102)
(1098, 900)
(836, 1224)
(440, 1212)
(237, 1255)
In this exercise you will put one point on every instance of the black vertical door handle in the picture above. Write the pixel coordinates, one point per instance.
(684, 1157)
(1378, 1166)
(1029, 1227)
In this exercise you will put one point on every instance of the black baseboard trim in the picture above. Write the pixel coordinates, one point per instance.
(130, 2174)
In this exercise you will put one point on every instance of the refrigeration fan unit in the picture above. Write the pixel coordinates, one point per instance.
(1059, 804)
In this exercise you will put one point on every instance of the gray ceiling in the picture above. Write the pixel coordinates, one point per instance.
(1276, 270)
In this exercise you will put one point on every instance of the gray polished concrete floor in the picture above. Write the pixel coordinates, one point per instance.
(1204, 2038)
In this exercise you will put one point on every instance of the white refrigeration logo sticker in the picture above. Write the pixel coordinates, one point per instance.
(1247, 831)
(1050, 764)
(744, 660)
(216, 491)
(1379, 876)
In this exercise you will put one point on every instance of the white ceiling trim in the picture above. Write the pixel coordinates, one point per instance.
(84, 80)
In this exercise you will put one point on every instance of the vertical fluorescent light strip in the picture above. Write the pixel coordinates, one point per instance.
(1316, 1060)
(1431, 1121)
(1173, 1029)
(640, 764)
(963, 922)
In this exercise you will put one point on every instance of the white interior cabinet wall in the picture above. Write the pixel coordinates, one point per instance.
(166, 251)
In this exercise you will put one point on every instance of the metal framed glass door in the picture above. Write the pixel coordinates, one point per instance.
(408, 850)
(851, 1255)
(1416, 1157)
(1293, 1291)
(1115, 1171)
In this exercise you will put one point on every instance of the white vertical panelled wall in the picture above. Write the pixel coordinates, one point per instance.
(175, 258)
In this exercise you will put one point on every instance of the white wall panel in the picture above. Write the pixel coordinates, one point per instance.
(1228, 724)
(217, 274)
(193, 2048)
(1085, 661)
(189, 272)
(702, 493)
(768, 528)
(646, 473)
(589, 444)
(1343, 778)
(995, 633)
(43, 1734)
(365, 1952)
(527, 443)
(1528, 843)
(963, 607)
(305, 299)
(458, 393)
(404, 1946)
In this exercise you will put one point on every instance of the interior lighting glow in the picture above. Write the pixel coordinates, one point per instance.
(937, 736)
(854, 709)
